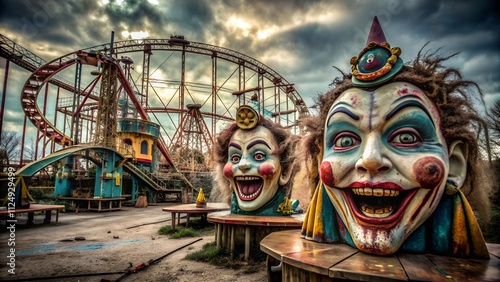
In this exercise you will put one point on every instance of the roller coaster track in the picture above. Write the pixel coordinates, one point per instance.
(41, 72)
(45, 72)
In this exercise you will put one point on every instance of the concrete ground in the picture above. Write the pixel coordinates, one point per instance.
(113, 241)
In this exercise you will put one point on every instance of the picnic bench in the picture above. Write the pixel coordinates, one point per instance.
(192, 211)
(303, 260)
(228, 228)
(95, 204)
(31, 210)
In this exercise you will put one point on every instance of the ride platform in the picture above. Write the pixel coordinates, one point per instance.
(304, 260)
(95, 204)
(230, 228)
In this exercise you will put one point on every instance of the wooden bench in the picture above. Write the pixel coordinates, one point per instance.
(176, 192)
(302, 259)
(192, 211)
(103, 204)
(254, 227)
(31, 210)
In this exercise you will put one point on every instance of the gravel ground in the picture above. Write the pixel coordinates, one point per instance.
(113, 241)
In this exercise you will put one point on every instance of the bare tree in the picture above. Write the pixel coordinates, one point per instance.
(30, 150)
(9, 147)
(493, 120)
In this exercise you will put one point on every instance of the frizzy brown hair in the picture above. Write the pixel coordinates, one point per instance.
(459, 120)
(284, 138)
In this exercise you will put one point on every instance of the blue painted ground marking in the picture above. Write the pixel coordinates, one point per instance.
(50, 247)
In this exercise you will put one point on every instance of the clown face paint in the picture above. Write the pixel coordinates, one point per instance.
(252, 168)
(385, 163)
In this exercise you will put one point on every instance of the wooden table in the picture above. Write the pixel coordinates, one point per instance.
(192, 210)
(303, 259)
(227, 224)
(34, 208)
(76, 202)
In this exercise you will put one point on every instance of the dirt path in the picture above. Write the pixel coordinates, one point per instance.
(113, 242)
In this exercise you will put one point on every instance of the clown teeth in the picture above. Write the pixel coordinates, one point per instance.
(249, 196)
(247, 178)
(376, 212)
(376, 192)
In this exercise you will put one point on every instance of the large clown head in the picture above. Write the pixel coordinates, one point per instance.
(390, 145)
(385, 163)
(254, 154)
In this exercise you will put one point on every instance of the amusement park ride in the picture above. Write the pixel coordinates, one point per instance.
(155, 126)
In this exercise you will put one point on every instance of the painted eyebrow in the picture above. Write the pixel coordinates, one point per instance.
(235, 145)
(256, 142)
(344, 110)
(406, 104)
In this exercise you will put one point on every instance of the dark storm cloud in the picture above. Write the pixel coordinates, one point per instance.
(313, 47)
(192, 15)
(135, 14)
(53, 21)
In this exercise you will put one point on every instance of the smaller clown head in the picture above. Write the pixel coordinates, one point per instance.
(254, 156)
(253, 167)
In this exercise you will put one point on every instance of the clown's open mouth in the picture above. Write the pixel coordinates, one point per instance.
(378, 203)
(249, 187)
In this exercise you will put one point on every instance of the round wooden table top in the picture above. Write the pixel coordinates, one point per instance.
(257, 220)
(340, 261)
(191, 208)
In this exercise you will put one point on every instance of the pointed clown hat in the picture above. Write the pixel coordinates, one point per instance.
(377, 62)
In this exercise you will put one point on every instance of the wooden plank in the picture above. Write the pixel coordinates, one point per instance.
(231, 238)
(32, 208)
(319, 260)
(247, 243)
(294, 274)
(192, 209)
(219, 233)
(366, 267)
(494, 249)
(285, 221)
(461, 269)
(420, 268)
(91, 199)
(285, 242)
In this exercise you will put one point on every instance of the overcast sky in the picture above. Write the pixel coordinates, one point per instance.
(301, 40)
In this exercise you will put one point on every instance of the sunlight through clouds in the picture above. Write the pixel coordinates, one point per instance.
(135, 34)
(235, 24)
(262, 30)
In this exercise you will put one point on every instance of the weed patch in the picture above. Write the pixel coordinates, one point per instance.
(181, 232)
(222, 257)
(211, 254)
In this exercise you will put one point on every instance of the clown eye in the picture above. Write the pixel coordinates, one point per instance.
(259, 156)
(405, 138)
(235, 158)
(345, 141)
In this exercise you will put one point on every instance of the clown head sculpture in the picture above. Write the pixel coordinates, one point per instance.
(254, 158)
(394, 150)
